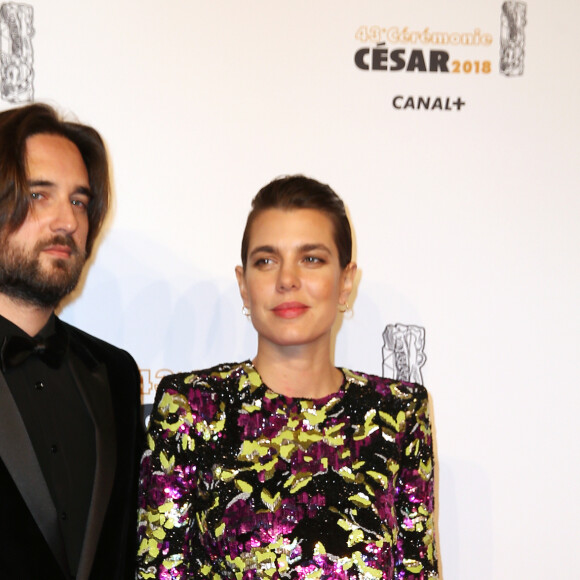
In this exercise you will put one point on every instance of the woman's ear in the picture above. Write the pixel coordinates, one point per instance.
(242, 285)
(347, 282)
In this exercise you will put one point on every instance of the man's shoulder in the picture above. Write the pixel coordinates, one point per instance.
(83, 342)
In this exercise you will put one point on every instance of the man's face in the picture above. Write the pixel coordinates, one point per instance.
(41, 262)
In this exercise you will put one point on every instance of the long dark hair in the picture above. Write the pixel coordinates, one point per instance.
(16, 126)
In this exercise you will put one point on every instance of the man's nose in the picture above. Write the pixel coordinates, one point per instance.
(64, 219)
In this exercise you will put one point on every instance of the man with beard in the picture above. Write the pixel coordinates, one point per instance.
(70, 429)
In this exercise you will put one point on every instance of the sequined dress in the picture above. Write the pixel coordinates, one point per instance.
(241, 482)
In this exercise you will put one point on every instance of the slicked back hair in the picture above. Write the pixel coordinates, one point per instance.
(300, 192)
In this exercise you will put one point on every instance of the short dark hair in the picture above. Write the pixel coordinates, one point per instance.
(16, 126)
(300, 192)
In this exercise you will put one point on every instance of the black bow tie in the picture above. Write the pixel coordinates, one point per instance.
(16, 349)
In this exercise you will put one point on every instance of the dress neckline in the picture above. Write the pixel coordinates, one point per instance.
(255, 376)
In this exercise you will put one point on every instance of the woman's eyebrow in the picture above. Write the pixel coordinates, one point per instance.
(264, 249)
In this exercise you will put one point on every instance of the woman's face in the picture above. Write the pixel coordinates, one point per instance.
(293, 283)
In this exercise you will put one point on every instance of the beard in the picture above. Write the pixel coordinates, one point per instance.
(25, 279)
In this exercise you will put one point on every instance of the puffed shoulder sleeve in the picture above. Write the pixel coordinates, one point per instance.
(416, 556)
(168, 484)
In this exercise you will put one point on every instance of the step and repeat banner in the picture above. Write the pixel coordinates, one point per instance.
(450, 129)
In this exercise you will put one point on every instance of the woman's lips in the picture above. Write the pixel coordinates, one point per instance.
(290, 309)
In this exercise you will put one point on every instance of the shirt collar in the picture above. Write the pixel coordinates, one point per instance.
(8, 328)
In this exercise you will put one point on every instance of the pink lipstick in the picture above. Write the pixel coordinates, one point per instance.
(290, 309)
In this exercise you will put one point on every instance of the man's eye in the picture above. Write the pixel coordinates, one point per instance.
(80, 203)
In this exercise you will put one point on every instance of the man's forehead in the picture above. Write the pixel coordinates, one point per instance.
(49, 142)
(47, 152)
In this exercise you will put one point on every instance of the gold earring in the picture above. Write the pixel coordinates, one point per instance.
(345, 307)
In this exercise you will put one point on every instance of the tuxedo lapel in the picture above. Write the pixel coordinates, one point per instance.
(92, 380)
(18, 455)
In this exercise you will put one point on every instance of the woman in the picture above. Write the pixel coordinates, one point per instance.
(285, 466)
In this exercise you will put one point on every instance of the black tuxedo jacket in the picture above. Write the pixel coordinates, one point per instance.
(31, 547)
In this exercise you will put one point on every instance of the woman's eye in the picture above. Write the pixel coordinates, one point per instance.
(263, 262)
(313, 260)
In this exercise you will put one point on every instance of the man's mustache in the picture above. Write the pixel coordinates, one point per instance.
(59, 241)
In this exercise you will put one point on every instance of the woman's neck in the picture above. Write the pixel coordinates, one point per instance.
(298, 372)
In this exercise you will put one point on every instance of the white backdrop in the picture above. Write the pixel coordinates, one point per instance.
(465, 220)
